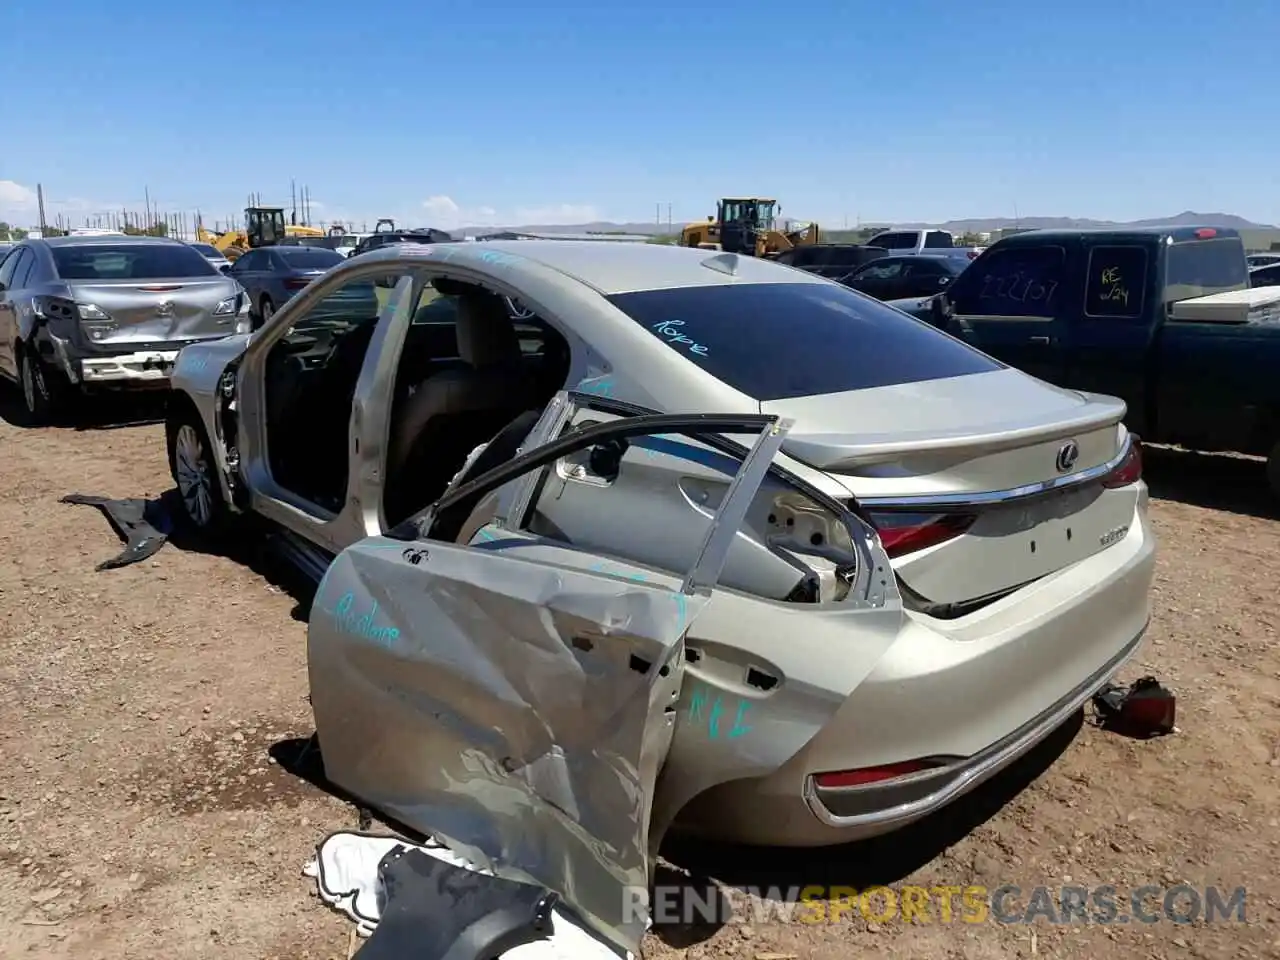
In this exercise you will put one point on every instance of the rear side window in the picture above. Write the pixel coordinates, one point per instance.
(22, 274)
(302, 258)
(1021, 281)
(938, 238)
(777, 340)
(131, 261)
(10, 265)
(1265, 277)
(896, 241)
(1198, 268)
(1116, 282)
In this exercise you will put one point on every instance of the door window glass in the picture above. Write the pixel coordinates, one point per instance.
(1116, 282)
(1014, 282)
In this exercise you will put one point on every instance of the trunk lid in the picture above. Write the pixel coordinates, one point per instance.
(155, 311)
(969, 478)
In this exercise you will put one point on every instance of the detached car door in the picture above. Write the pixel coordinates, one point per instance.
(512, 696)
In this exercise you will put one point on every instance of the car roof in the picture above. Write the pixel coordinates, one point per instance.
(103, 240)
(608, 268)
(1148, 232)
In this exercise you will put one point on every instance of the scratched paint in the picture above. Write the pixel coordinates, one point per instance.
(721, 717)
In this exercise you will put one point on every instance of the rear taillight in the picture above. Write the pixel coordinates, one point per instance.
(868, 775)
(296, 283)
(902, 533)
(1130, 468)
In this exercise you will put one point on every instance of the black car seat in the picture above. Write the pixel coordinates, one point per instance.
(452, 412)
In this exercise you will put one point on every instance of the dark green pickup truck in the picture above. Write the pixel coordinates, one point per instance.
(1161, 317)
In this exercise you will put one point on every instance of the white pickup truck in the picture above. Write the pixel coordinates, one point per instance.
(920, 241)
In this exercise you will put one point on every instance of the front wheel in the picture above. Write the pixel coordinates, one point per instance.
(203, 507)
(266, 310)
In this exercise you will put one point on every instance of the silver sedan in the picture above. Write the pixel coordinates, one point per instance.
(629, 536)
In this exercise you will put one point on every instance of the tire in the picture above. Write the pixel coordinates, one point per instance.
(43, 390)
(202, 508)
(266, 310)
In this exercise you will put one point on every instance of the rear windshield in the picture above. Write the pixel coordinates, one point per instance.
(130, 261)
(205, 249)
(310, 259)
(777, 340)
(1198, 268)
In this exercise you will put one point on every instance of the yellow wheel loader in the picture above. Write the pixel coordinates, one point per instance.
(747, 225)
(264, 227)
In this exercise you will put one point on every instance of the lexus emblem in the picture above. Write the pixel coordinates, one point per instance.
(1068, 454)
(165, 308)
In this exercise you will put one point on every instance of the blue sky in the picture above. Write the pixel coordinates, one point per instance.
(511, 112)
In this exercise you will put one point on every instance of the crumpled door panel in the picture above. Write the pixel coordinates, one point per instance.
(525, 730)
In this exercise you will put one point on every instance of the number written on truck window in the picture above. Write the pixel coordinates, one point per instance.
(1115, 282)
(1017, 282)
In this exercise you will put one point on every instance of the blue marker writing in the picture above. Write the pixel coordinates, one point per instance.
(671, 330)
(365, 626)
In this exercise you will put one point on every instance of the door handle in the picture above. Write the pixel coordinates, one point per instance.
(1045, 341)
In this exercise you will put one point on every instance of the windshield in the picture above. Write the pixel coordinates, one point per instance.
(772, 341)
(131, 261)
(1198, 268)
(309, 259)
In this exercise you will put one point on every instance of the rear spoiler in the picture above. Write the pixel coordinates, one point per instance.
(845, 451)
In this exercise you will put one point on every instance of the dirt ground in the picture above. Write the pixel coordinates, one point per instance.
(150, 717)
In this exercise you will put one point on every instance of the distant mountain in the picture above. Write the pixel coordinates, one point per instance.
(1187, 218)
(649, 229)
(979, 225)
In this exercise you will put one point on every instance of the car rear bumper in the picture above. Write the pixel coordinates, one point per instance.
(150, 366)
(973, 694)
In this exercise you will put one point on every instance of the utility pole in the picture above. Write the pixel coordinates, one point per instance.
(668, 216)
(146, 204)
(293, 202)
(40, 205)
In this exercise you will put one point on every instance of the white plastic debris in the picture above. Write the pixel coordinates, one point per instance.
(346, 873)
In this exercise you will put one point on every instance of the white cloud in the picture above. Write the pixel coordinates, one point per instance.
(17, 203)
(19, 206)
(446, 214)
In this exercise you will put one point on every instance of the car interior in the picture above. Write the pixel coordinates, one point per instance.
(470, 366)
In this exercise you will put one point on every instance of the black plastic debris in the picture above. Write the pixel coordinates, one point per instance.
(143, 525)
(1142, 710)
(433, 910)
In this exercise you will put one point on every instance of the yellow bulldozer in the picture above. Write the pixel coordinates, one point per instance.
(264, 227)
(747, 225)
